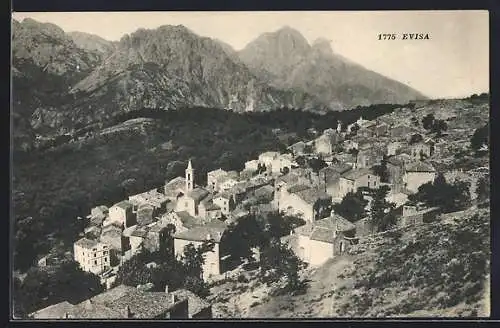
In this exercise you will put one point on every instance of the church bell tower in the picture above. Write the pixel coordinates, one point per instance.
(189, 177)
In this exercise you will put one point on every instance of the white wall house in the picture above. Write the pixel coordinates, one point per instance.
(93, 256)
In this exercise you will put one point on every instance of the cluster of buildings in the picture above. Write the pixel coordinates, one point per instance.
(192, 214)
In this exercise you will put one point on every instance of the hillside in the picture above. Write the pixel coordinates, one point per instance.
(435, 270)
(287, 60)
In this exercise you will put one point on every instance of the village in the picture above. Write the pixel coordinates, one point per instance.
(346, 160)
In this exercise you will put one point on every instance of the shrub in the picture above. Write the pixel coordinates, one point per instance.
(242, 278)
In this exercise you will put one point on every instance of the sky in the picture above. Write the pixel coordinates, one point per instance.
(453, 63)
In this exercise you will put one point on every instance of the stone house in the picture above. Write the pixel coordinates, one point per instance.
(393, 147)
(122, 213)
(417, 174)
(281, 162)
(297, 149)
(369, 155)
(354, 179)
(97, 215)
(156, 237)
(302, 200)
(319, 241)
(268, 157)
(365, 227)
(417, 214)
(402, 132)
(396, 169)
(112, 235)
(381, 129)
(330, 177)
(213, 179)
(225, 202)
(422, 150)
(252, 165)
(92, 255)
(191, 201)
(213, 231)
(153, 198)
(175, 188)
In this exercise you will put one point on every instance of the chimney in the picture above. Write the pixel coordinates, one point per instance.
(166, 289)
(208, 236)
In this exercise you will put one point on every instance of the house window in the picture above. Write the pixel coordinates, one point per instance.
(95, 262)
(105, 259)
(95, 254)
(105, 253)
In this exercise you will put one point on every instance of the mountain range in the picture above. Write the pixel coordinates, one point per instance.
(65, 81)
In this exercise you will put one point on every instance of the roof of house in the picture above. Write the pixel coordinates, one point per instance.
(156, 227)
(217, 172)
(125, 204)
(296, 188)
(195, 303)
(335, 221)
(114, 302)
(322, 234)
(336, 169)
(56, 311)
(312, 195)
(198, 194)
(187, 220)
(356, 173)
(112, 228)
(127, 232)
(264, 190)
(140, 232)
(323, 230)
(173, 186)
(269, 154)
(214, 228)
(212, 207)
(399, 160)
(224, 194)
(86, 243)
(420, 167)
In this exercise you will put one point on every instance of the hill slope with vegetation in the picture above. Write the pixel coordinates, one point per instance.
(433, 270)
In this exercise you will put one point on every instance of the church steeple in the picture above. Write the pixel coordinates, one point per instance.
(189, 177)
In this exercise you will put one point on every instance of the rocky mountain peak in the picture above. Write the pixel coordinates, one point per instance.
(322, 46)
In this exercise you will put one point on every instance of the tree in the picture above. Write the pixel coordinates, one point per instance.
(279, 262)
(381, 170)
(355, 128)
(448, 197)
(66, 282)
(428, 121)
(438, 127)
(483, 189)
(243, 235)
(316, 164)
(479, 138)
(415, 138)
(352, 206)
(381, 210)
